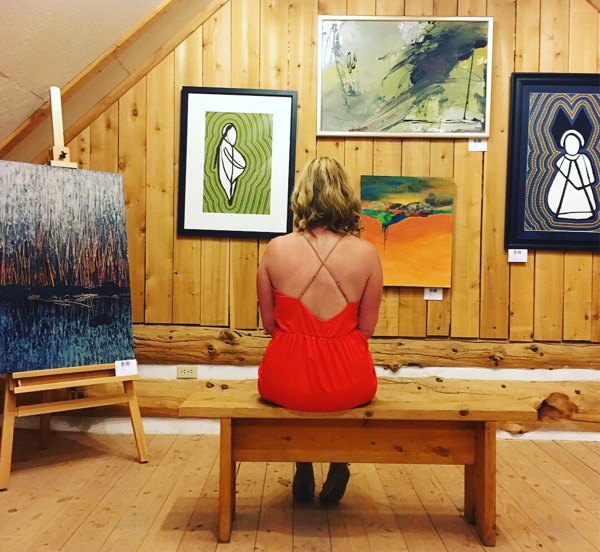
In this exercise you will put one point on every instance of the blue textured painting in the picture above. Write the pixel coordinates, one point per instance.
(563, 161)
(64, 275)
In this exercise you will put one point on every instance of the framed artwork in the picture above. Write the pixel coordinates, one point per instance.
(410, 220)
(64, 272)
(554, 162)
(404, 76)
(236, 162)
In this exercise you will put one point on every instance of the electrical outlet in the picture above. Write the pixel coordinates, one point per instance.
(187, 372)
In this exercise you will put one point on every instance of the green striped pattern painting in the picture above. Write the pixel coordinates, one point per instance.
(254, 141)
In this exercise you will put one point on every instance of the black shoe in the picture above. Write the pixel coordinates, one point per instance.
(336, 482)
(303, 487)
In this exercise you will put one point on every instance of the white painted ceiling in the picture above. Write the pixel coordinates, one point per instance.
(47, 43)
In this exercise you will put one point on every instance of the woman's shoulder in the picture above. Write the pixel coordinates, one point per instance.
(283, 241)
(360, 245)
(282, 244)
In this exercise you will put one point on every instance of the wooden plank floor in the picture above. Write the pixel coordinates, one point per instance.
(87, 493)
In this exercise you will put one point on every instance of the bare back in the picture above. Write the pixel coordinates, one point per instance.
(352, 274)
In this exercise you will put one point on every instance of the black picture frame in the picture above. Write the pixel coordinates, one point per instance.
(553, 199)
(236, 162)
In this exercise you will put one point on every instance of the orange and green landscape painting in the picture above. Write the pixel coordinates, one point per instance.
(409, 220)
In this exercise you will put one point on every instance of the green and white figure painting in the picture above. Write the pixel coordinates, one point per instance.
(237, 163)
(404, 76)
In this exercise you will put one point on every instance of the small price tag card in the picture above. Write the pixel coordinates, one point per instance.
(434, 294)
(517, 255)
(126, 367)
(477, 144)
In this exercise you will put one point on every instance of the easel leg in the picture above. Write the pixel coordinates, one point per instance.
(8, 432)
(136, 421)
(45, 422)
(226, 482)
(480, 485)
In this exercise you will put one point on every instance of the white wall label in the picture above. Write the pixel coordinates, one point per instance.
(477, 144)
(517, 255)
(434, 294)
(126, 367)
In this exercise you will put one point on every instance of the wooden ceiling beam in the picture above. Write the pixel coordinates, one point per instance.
(104, 81)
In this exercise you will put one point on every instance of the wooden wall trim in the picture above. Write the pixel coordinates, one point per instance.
(171, 344)
(109, 77)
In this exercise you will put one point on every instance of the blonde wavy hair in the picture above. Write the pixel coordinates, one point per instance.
(323, 197)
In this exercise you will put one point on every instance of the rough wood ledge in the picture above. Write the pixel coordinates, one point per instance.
(172, 344)
(561, 406)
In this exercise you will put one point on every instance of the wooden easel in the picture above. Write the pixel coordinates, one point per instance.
(46, 382)
(60, 154)
(20, 384)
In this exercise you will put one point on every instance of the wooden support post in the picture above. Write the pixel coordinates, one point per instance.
(45, 422)
(480, 485)
(60, 155)
(136, 421)
(226, 481)
(8, 431)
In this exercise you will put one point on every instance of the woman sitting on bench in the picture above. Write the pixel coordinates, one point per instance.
(319, 291)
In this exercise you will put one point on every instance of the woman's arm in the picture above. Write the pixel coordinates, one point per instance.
(368, 311)
(264, 290)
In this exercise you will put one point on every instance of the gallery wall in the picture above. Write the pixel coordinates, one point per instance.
(208, 282)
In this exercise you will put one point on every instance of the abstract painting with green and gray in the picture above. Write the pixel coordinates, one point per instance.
(404, 76)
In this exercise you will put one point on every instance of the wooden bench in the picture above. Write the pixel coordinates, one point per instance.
(418, 421)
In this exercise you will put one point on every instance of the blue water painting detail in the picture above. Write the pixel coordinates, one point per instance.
(64, 273)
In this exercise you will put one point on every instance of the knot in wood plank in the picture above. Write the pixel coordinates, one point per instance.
(556, 406)
(442, 451)
(229, 337)
(496, 358)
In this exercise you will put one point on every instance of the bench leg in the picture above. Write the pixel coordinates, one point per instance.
(8, 432)
(226, 482)
(480, 485)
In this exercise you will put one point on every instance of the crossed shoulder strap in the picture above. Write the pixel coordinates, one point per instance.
(323, 265)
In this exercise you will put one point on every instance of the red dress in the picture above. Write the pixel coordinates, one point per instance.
(315, 365)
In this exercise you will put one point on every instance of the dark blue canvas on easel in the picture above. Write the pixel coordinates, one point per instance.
(64, 274)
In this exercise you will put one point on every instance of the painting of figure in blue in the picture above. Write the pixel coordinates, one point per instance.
(64, 273)
(571, 192)
(563, 160)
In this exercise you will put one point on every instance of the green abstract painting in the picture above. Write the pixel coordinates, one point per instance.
(404, 76)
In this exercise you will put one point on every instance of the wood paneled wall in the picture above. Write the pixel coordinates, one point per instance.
(554, 297)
